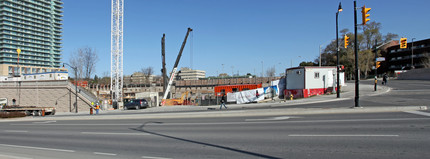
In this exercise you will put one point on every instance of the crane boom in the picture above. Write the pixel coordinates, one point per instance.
(175, 67)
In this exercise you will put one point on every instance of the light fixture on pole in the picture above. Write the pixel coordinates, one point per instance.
(337, 50)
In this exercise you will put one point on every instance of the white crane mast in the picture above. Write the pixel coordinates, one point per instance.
(117, 18)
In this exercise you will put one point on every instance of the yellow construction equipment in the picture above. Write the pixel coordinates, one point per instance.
(178, 101)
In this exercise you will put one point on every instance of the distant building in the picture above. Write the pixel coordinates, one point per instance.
(138, 78)
(189, 74)
(34, 27)
(402, 59)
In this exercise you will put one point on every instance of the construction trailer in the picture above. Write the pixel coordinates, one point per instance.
(306, 81)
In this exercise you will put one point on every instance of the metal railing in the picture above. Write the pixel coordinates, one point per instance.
(82, 92)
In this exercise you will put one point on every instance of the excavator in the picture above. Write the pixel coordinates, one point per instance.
(175, 67)
(179, 101)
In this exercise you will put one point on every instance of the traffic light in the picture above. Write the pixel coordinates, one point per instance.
(346, 41)
(378, 64)
(364, 14)
(403, 43)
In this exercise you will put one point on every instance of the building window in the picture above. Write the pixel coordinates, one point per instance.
(317, 75)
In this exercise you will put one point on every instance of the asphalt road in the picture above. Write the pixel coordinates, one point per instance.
(402, 93)
(352, 135)
(372, 135)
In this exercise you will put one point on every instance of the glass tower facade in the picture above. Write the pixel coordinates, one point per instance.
(34, 27)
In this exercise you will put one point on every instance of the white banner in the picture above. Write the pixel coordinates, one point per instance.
(249, 96)
(231, 97)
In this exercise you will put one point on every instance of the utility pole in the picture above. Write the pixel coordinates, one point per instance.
(376, 65)
(262, 69)
(163, 56)
(337, 52)
(412, 56)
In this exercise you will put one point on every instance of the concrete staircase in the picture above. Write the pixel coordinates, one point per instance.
(58, 94)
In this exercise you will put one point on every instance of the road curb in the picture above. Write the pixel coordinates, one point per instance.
(234, 113)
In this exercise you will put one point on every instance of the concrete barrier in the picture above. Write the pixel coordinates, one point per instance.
(415, 74)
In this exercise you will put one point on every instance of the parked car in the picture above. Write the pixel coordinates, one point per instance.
(136, 104)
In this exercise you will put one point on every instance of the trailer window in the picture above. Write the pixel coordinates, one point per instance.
(317, 75)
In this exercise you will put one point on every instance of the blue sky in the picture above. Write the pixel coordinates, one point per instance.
(244, 35)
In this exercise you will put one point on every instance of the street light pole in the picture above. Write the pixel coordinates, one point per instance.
(357, 71)
(412, 56)
(262, 69)
(337, 51)
(320, 51)
(76, 85)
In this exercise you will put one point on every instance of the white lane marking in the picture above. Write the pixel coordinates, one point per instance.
(14, 157)
(37, 148)
(323, 101)
(270, 119)
(215, 112)
(110, 133)
(16, 131)
(233, 123)
(418, 113)
(150, 157)
(413, 90)
(44, 122)
(102, 153)
(356, 120)
(342, 135)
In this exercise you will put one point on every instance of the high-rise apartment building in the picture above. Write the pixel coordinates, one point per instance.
(34, 27)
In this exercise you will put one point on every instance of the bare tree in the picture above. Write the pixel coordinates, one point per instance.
(270, 72)
(147, 72)
(426, 60)
(84, 59)
(105, 79)
(90, 59)
(76, 61)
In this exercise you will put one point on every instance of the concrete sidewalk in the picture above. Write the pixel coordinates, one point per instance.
(270, 108)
